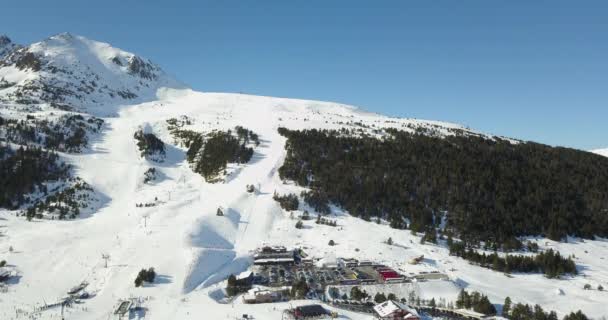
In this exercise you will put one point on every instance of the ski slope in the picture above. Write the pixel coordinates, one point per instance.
(194, 251)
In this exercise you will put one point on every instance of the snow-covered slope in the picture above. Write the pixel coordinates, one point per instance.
(75, 73)
(192, 249)
(603, 152)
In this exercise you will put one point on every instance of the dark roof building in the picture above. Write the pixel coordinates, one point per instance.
(310, 312)
(273, 255)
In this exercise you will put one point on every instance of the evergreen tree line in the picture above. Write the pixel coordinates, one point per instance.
(520, 311)
(325, 221)
(318, 200)
(299, 289)
(210, 154)
(288, 202)
(245, 136)
(492, 190)
(65, 203)
(356, 294)
(67, 133)
(549, 262)
(475, 301)
(149, 145)
(24, 171)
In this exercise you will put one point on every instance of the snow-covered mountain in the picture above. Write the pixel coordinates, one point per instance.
(162, 214)
(74, 73)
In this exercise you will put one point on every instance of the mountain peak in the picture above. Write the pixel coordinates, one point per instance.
(4, 40)
(6, 45)
(66, 38)
(63, 35)
(72, 72)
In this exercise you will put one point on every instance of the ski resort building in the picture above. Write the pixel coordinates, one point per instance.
(347, 262)
(393, 310)
(265, 296)
(389, 275)
(273, 255)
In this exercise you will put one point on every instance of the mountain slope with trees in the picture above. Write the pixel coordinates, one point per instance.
(492, 190)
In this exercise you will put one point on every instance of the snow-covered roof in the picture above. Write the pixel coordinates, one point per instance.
(329, 260)
(388, 307)
(470, 313)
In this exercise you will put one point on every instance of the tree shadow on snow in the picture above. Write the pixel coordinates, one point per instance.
(137, 313)
(95, 139)
(101, 201)
(207, 237)
(173, 157)
(430, 261)
(233, 216)
(163, 279)
(256, 157)
(236, 266)
(461, 283)
(14, 280)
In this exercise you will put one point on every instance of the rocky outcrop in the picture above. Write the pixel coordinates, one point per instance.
(6, 46)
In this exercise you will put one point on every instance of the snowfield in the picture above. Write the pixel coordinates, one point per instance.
(192, 250)
(603, 152)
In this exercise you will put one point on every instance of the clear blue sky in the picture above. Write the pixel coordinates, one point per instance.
(535, 70)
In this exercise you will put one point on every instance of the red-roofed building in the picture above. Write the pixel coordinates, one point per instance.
(388, 274)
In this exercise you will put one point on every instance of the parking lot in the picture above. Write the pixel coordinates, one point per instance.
(316, 277)
(284, 275)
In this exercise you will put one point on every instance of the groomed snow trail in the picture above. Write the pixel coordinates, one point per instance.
(182, 237)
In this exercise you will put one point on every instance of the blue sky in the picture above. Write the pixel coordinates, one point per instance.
(535, 70)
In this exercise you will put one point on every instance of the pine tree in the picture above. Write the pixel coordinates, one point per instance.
(379, 297)
(506, 307)
(579, 315)
(462, 299)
